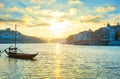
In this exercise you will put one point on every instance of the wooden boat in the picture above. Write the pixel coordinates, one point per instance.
(12, 52)
(21, 55)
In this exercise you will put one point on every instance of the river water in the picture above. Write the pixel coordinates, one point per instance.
(62, 61)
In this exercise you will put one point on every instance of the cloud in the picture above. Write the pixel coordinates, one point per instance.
(7, 18)
(57, 14)
(35, 7)
(41, 1)
(45, 12)
(28, 9)
(33, 11)
(60, 20)
(32, 22)
(10, 20)
(5, 15)
(91, 18)
(75, 2)
(72, 11)
(104, 9)
(27, 19)
(115, 18)
(44, 24)
(39, 24)
(1, 5)
(15, 9)
(8, 15)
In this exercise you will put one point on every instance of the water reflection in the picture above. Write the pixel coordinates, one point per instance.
(58, 49)
(58, 61)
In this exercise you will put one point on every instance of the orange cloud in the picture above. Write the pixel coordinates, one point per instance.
(104, 9)
(91, 18)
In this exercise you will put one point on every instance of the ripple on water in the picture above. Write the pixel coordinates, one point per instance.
(56, 61)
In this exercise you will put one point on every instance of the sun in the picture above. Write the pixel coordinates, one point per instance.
(58, 29)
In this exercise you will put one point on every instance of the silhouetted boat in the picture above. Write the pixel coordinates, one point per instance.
(21, 55)
(12, 52)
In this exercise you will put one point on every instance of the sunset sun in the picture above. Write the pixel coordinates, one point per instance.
(59, 28)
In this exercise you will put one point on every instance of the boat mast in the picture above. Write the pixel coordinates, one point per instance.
(15, 34)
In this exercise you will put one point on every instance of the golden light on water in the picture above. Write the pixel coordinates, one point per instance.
(58, 49)
(57, 70)
(58, 61)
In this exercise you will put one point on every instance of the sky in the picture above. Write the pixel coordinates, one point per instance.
(58, 18)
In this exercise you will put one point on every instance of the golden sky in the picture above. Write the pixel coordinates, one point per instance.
(57, 18)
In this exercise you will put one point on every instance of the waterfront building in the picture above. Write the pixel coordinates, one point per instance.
(86, 35)
(112, 32)
(103, 36)
(79, 36)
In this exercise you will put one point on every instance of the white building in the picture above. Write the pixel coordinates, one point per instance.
(112, 32)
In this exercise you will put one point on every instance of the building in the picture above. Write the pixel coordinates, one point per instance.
(109, 35)
(105, 34)
(84, 37)
(112, 32)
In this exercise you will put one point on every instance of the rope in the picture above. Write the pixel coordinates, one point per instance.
(4, 50)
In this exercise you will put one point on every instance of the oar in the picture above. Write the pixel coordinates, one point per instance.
(4, 50)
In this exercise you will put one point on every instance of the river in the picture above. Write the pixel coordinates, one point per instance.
(62, 61)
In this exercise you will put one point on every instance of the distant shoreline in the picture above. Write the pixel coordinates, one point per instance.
(18, 43)
(62, 44)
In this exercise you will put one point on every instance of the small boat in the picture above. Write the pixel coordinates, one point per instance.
(21, 55)
(13, 52)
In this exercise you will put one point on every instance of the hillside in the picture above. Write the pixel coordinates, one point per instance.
(8, 36)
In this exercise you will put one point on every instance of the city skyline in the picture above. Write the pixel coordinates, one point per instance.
(57, 18)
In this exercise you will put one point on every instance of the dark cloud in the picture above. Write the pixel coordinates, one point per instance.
(44, 24)
(40, 24)
(10, 20)
(91, 18)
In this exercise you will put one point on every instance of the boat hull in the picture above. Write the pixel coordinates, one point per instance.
(21, 55)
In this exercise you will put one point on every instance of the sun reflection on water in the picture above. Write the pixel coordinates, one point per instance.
(58, 61)
(57, 49)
